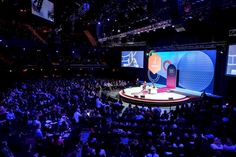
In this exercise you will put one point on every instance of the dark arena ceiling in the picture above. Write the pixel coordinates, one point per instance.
(114, 21)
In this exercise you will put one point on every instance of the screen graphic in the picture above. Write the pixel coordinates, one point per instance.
(132, 59)
(231, 63)
(154, 63)
(43, 9)
(196, 68)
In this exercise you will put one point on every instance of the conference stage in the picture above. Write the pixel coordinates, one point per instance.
(161, 96)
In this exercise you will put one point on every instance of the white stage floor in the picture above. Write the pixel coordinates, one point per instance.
(179, 90)
(136, 91)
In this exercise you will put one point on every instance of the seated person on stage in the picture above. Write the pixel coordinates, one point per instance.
(153, 85)
(144, 86)
(153, 89)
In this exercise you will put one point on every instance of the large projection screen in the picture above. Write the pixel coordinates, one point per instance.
(43, 9)
(132, 59)
(231, 61)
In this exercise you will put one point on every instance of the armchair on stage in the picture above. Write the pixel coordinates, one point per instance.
(148, 89)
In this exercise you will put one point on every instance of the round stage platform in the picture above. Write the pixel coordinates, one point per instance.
(151, 96)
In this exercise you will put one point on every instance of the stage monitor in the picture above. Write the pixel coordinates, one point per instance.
(133, 59)
(231, 61)
(43, 9)
(195, 68)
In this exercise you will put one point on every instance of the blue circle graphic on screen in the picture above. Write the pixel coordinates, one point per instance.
(196, 71)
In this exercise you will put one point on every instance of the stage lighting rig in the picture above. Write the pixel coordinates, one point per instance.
(153, 27)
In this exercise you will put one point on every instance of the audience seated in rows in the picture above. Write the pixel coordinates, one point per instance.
(76, 117)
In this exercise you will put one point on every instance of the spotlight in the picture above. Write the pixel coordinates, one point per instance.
(108, 19)
(99, 23)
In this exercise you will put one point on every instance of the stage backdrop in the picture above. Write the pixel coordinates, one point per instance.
(196, 68)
